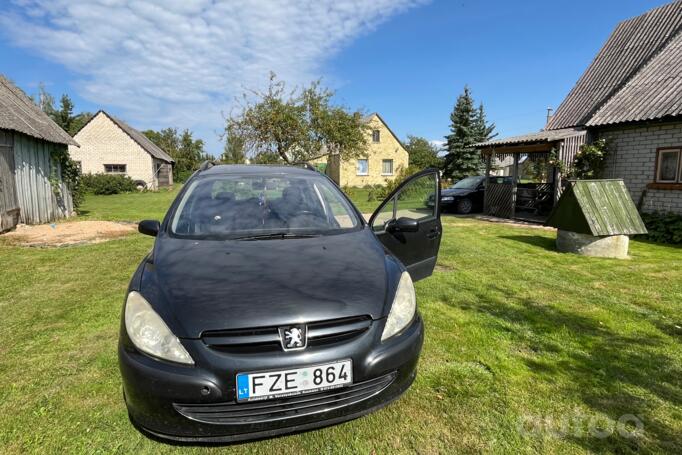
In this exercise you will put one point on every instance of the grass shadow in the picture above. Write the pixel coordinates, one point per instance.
(534, 240)
(601, 365)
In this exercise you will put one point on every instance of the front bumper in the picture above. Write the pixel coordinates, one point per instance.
(198, 403)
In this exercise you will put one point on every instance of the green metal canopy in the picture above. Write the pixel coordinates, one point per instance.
(597, 207)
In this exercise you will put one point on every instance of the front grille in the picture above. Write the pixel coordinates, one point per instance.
(266, 339)
(284, 408)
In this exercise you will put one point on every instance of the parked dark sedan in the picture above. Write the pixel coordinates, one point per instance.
(268, 305)
(467, 195)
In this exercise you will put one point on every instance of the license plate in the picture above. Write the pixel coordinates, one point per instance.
(264, 385)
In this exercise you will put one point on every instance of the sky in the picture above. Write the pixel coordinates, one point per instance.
(184, 63)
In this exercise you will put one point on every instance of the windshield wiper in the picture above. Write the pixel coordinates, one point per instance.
(276, 235)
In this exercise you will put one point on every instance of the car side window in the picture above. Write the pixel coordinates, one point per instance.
(384, 215)
(414, 201)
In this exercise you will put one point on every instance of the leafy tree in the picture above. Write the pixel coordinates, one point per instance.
(422, 153)
(64, 116)
(45, 101)
(234, 149)
(467, 127)
(297, 125)
(590, 160)
(187, 152)
(78, 121)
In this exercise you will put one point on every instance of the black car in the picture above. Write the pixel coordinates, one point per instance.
(268, 305)
(467, 195)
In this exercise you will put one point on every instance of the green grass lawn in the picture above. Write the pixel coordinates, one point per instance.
(516, 335)
(132, 207)
(153, 205)
(360, 198)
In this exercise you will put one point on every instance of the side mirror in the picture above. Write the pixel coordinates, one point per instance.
(149, 227)
(403, 224)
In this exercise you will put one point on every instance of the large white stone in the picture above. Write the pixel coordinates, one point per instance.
(609, 246)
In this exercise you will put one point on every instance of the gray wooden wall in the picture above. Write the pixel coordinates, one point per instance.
(38, 201)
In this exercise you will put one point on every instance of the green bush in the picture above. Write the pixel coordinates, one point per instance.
(107, 184)
(663, 227)
(182, 176)
(381, 192)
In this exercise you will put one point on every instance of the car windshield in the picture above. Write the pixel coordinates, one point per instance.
(467, 183)
(258, 206)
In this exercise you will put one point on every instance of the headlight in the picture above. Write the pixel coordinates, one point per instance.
(150, 334)
(447, 198)
(403, 309)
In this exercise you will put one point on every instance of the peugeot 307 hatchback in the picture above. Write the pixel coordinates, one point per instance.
(268, 305)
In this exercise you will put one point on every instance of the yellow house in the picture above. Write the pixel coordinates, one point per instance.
(385, 157)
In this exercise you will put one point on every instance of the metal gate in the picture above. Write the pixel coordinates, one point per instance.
(498, 199)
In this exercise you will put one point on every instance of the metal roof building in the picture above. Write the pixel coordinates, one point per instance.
(630, 95)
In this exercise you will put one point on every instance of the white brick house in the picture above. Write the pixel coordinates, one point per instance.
(109, 145)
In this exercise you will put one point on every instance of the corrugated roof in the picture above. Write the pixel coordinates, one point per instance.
(540, 136)
(19, 113)
(142, 140)
(655, 92)
(630, 47)
(597, 207)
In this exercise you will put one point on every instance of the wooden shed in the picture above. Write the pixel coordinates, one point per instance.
(595, 218)
(31, 187)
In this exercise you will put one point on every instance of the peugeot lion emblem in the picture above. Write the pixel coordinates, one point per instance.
(293, 337)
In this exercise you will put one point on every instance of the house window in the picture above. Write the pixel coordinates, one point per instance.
(669, 166)
(376, 135)
(386, 167)
(115, 168)
(363, 167)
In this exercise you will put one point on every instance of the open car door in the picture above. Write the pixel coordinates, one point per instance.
(408, 223)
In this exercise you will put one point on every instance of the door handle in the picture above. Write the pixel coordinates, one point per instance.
(433, 234)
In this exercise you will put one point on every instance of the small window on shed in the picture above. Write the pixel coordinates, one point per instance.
(668, 166)
(376, 136)
(115, 168)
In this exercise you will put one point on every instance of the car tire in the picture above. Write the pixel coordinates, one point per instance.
(464, 206)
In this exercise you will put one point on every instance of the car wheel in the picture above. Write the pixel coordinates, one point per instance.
(464, 206)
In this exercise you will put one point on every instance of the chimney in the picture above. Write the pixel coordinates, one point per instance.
(549, 114)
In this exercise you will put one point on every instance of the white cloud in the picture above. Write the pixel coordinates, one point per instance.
(181, 62)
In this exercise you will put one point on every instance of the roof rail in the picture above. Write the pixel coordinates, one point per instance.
(206, 165)
(308, 166)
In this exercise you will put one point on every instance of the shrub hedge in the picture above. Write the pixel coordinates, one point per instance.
(107, 184)
(663, 227)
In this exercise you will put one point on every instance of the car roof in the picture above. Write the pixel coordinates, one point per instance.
(222, 169)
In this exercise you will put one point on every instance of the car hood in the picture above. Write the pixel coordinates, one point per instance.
(211, 285)
(455, 192)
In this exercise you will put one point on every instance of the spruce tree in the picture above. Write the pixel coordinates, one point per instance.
(468, 126)
(462, 160)
(483, 131)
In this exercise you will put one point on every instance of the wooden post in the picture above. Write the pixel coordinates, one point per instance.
(556, 190)
(515, 177)
(486, 182)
